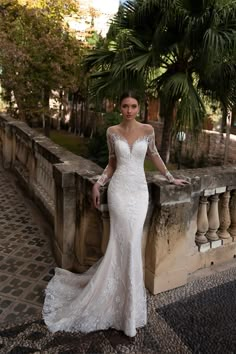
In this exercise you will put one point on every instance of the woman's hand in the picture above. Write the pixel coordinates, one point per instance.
(180, 182)
(96, 195)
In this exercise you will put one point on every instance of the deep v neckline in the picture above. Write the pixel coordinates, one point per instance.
(121, 137)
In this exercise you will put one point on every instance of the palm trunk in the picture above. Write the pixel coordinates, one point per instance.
(166, 135)
(224, 119)
(227, 137)
(146, 111)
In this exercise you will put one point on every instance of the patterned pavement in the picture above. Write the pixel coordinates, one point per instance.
(197, 318)
(26, 262)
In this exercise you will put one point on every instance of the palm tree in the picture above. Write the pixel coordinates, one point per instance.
(166, 47)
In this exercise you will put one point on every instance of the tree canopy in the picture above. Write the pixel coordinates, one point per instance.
(176, 49)
(38, 52)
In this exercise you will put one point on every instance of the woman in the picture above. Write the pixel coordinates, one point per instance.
(111, 294)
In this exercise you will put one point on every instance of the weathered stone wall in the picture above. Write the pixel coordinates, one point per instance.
(173, 252)
(208, 148)
(180, 222)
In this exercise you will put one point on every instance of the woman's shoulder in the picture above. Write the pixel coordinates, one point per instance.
(147, 128)
(112, 129)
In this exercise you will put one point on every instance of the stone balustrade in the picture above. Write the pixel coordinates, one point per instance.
(216, 218)
(187, 228)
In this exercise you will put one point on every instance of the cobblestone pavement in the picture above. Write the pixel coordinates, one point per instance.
(197, 318)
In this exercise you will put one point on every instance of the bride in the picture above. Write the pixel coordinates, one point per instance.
(111, 294)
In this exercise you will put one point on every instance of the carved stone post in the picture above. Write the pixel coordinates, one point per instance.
(202, 222)
(224, 216)
(232, 229)
(213, 219)
(65, 215)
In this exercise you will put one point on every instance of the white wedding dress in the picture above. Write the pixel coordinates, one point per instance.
(111, 294)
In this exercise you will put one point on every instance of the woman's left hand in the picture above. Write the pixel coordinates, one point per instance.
(180, 182)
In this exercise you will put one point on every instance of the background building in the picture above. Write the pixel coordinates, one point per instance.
(94, 16)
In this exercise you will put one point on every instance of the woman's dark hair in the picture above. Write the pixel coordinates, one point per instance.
(131, 94)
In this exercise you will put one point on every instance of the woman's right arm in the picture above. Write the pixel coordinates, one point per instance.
(107, 173)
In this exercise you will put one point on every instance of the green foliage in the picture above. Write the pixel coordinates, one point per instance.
(70, 142)
(177, 49)
(97, 146)
(38, 53)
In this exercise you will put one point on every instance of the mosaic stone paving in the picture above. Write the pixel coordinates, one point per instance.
(197, 318)
(26, 262)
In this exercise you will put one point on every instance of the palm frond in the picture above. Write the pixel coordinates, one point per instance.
(190, 112)
(173, 86)
(139, 63)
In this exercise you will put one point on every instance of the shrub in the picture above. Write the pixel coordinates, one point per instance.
(97, 147)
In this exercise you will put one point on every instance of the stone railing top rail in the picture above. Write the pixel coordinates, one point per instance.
(204, 181)
(65, 162)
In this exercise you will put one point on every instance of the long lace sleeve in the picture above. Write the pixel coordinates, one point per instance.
(153, 152)
(108, 171)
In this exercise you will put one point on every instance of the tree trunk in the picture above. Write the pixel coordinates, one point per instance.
(145, 111)
(43, 112)
(46, 109)
(20, 106)
(60, 114)
(81, 127)
(166, 135)
(227, 137)
(224, 119)
(85, 117)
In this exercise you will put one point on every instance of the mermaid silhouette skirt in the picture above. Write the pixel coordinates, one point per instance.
(111, 294)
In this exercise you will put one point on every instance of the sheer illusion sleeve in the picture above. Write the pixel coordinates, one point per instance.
(110, 144)
(152, 150)
(153, 153)
(109, 170)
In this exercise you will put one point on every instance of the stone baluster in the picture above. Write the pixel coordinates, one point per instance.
(202, 222)
(213, 219)
(232, 229)
(224, 215)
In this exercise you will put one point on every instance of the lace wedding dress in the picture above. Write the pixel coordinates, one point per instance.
(111, 293)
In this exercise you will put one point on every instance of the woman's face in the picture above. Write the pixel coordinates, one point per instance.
(129, 108)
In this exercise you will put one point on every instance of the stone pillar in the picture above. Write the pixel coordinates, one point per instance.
(213, 219)
(65, 214)
(232, 229)
(167, 240)
(202, 222)
(224, 216)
